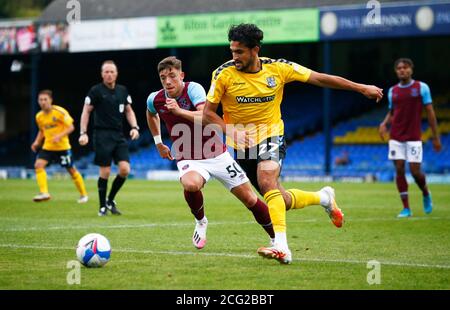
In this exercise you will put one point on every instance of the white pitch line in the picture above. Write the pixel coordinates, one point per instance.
(180, 224)
(148, 225)
(304, 259)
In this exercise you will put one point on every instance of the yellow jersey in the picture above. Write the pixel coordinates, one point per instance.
(253, 100)
(52, 124)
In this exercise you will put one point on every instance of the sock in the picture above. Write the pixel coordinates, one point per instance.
(422, 183)
(281, 240)
(402, 186)
(102, 185)
(117, 184)
(41, 178)
(195, 202)
(261, 213)
(79, 183)
(301, 199)
(277, 210)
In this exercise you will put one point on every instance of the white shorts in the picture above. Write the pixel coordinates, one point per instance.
(223, 167)
(411, 151)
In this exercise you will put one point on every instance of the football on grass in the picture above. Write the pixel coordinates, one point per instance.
(93, 250)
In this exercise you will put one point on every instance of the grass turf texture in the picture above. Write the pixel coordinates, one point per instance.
(152, 248)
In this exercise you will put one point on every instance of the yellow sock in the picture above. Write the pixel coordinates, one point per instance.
(277, 210)
(41, 178)
(301, 199)
(79, 183)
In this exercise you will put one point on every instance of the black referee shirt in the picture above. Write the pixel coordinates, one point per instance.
(109, 105)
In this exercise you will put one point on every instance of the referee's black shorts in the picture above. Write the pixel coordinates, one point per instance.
(110, 145)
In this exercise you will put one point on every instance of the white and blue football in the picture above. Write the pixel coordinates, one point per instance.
(93, 250)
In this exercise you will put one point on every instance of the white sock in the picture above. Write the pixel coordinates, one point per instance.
(324, 199)
(281, 240)
(202, 221)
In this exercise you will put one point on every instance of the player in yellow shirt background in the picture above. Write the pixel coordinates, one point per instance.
(52, 141)
(250, 89)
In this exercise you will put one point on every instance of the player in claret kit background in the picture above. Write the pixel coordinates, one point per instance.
(406, 101)
(180, 104)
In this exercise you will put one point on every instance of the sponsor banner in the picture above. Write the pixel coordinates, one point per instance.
(432, 178)
(53, 37)
(17, 37)
(295, 25)
(384, 20)
(113, 34)
(22, 37)
(162, 175)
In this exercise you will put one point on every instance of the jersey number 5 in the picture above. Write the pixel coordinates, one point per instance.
(233, 170)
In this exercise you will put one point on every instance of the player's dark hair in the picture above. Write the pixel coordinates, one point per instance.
(406, 61)
(47, 92)
(249, 34)
(169, 62)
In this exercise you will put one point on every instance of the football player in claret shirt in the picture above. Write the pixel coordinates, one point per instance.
(250, 89)
(200, 152)
(55, 124)
(406, 101)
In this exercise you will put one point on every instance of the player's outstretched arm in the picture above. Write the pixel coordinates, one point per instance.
(433, 125)
(84, 122)
(154, 125)
(337, 82)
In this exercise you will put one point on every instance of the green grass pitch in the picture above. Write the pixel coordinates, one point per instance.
(152, 246)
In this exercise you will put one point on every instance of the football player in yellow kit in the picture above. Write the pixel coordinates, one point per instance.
(52, 144)
(250, 89)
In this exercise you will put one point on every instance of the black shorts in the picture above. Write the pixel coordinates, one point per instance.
(64, 158)
(110, 145)
(273, 148)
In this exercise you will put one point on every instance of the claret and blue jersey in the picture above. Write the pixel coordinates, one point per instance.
(192, 95)
(406, 103)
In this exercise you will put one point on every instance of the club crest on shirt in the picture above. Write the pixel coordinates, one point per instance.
(121, 108)
(271, 82)
(414, 92)
(184, 104)
(185, 167)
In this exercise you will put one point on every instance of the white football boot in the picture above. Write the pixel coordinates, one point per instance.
(199, 236)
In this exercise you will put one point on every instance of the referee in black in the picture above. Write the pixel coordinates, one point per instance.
(110, 103)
